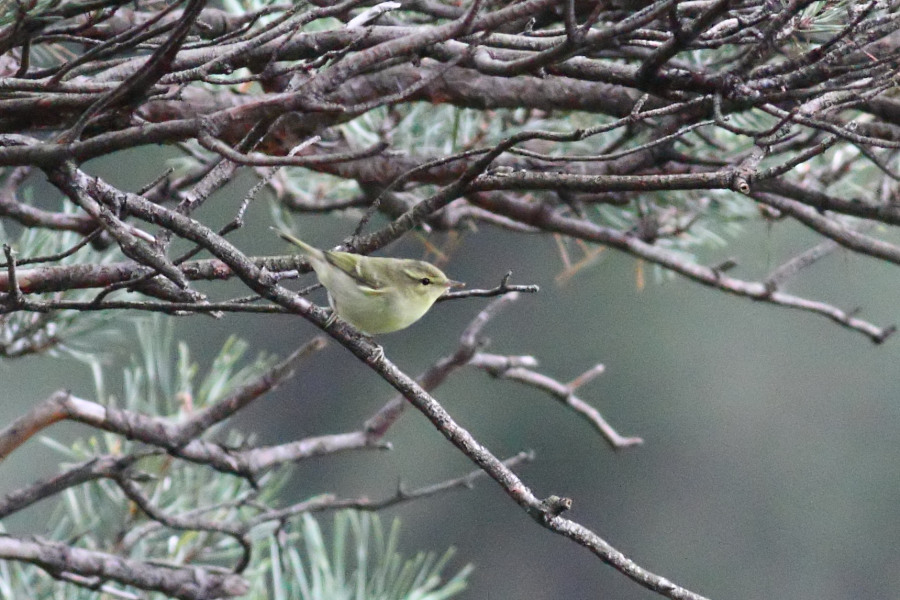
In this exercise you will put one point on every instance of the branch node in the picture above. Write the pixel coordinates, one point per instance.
(586, 377)
(14, 297)
(885, 334)
(553, 506)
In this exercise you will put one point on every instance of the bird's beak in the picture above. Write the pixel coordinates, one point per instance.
(455, 284)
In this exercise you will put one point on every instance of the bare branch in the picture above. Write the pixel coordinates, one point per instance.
(503, 288)
(499, 366)
(186, 583)
(645, 128)
(177, 438)
(96, 468)
(331, 502)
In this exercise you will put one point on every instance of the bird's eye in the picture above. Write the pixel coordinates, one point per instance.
(425, 281)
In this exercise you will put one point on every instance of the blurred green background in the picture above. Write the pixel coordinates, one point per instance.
(769, 467)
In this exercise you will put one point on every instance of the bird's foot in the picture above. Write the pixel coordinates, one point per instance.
(377, 355)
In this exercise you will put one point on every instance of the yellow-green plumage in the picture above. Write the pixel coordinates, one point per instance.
(374, 294)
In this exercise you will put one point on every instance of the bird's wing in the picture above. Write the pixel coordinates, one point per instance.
(368, 281)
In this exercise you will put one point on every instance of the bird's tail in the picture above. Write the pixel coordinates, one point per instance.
(305, 248)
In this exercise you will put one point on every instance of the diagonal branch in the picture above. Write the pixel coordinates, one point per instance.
(141, 80)
(711, 277)
(176, 438)
(545, 513)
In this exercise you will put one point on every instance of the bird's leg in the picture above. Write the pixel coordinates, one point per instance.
(333, 316)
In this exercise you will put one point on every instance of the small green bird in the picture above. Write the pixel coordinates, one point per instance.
(374, 294)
